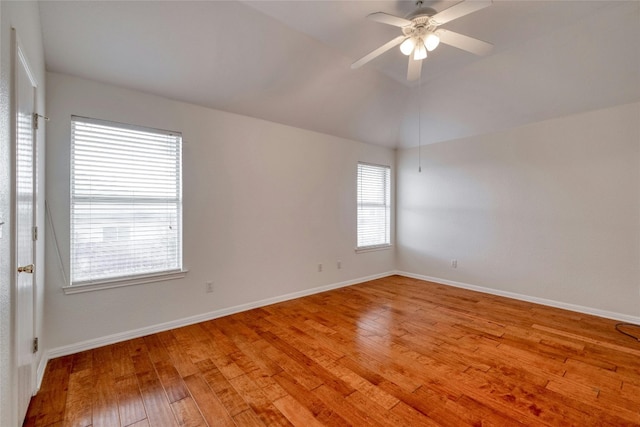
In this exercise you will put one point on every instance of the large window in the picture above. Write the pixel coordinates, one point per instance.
(126, 202)
(374, 206)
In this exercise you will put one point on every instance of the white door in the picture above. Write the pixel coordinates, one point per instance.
(25, 89)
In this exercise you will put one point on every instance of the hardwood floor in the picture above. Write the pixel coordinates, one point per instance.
(391, 352)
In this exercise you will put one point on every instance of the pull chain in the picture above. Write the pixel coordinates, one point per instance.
(419, 122)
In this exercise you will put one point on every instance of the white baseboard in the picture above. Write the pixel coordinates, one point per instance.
(136, 333)
(521, 297)
(40, 371)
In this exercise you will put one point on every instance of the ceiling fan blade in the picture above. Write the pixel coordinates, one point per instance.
(385, 18)
(414, 70)
(459, 10)
(379, 51)
(463, 42)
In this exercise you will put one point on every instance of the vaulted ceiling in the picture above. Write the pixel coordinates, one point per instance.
(289, 62)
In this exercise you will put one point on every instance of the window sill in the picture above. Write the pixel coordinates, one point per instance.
(373, 248)
(128, 281)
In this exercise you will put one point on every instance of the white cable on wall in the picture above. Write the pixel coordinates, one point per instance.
(55, 241)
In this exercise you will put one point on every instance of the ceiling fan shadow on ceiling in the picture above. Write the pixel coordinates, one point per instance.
(421, 34)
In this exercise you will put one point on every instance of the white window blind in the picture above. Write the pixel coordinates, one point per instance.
(126, 201)
(374, 206)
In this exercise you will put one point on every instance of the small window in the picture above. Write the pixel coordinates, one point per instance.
(374, 206)
(126, 202)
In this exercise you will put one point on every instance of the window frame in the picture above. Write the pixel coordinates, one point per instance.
(388, 206)
(131, 278)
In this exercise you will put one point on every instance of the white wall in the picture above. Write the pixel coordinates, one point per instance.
(549, 210)
(264, 203)
(25, 18)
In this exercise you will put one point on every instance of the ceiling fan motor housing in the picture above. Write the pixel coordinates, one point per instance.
(421, 12)
(421, 23)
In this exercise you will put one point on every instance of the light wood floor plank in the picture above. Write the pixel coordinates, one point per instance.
(187, 413)
(129, 400)
(105, 412)
(212, 410)
(232, 401)
(78, 408)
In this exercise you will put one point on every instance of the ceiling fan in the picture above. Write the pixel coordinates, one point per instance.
(421, 34)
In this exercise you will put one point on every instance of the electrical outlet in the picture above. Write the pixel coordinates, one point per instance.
(209, 287)
(319, 268)
(339, 264)
(454, 263)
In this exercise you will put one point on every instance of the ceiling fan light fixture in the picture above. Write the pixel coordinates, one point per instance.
(420, 51)
(431, 41)
(407, 46)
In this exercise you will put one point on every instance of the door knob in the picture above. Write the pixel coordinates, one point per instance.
(26, 269)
